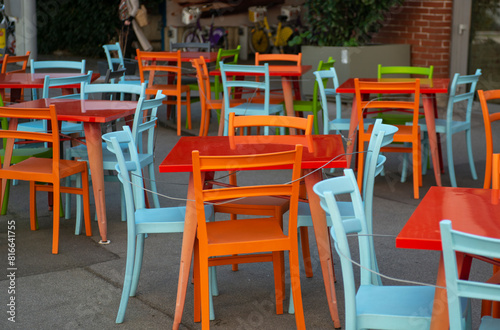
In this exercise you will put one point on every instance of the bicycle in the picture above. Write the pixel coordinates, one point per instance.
(7, 32)
(264, 37)
(197, 33)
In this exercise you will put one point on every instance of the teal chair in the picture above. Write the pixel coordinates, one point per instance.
(140, 220)
(369, 306)
(456, 121)
(249, 108)
(312, 105)
(338, 123)
(382, 135)
(115, 62)
(460, 291)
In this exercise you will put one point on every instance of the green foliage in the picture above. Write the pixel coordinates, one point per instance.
(344, 22)
(79, 27)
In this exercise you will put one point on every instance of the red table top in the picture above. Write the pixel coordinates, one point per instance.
(91, 111)
(471, 210)
(35, 80)
(318, 149)
(275, 70)
(427, 86)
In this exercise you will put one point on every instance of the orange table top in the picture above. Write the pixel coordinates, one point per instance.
(35, 80)
(427, 86)
(472, 210)
(318, 149)
(93, 111)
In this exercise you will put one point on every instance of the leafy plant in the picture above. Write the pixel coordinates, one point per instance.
(343, 22)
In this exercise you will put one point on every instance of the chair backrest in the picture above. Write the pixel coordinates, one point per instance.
(455, 241)
(234, 163)
(228, 56)
(51, 136)
(65, 81)
(392, 88)
(256, 85)
(322, 78)
(327, 190)
(422, 72)
(265, 58)
(115, 76)
(190, 46)
(467, 96)
(305, 124)
(107, 91)
(204, 87)
(145, 121)
(489, 118)
(114, 61)
(165, 62)
(64, 65)
(8, 59)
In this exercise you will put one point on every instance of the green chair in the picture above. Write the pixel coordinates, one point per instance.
(228, 56)
(313, 105)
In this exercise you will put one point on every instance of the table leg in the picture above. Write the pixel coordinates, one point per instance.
(188, 238)
(323, 243)
(431, 131)
(93, 139)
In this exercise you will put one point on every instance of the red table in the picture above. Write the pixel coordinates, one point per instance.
(318, 151)
(35, 80)
(92, 113)
(288, 73)
(470, 210)
(428, 88)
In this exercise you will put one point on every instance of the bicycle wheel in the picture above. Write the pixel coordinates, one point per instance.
(217, 39)
(259, 41)
(192, 35)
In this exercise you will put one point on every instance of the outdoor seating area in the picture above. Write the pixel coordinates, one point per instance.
(282, 209)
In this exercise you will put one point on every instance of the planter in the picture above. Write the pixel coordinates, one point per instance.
(351, 62)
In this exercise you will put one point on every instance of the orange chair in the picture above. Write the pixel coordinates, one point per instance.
(170, 67)
(47, 170)
(281, 59)
(484, 97)
(235, 122)
(219, 239)
(207, 103)
(23, 60)
(408, 134)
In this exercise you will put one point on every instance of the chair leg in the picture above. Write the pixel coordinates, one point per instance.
(5, 201)
(416, 170)
(449, 154)
(296, 291)
(152, 179)
(56, 215)
(86, 202)
(279, 273)
(139, 252)
(33, 215)
(127, 281)
(469, 152)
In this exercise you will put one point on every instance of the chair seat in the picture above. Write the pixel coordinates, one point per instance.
(489, 323)
(67, 127)
(42, 166)
(254, 205)
(456, 126)
(167, 89)
(403, 307)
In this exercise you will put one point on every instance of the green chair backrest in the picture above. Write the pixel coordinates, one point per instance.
(321, 67)
(228, 56)
(409, 70)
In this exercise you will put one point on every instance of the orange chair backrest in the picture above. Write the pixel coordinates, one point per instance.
(15, 59)
(201, 164)
(262, 58)
(52, 136)
(484, 97)
(376, 87)
(168, 63)
(203, 78)
(305, 124)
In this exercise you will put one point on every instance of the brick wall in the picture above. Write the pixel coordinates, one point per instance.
(426, 26)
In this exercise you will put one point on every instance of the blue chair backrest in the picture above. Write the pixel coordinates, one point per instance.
(452, 241)
(468, 96)
(71, 65)
(145, 121)
(322, 80)
(114, 60)
(65, 81)
(138, 90)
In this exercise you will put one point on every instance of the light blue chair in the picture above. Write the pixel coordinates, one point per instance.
(115, 62)
(461, 291)
(140, 220)
(370, 306)
(249, 108)
(382, 135)
(338, 123)
(456, 121)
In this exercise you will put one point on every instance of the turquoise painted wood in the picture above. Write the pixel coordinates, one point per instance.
(119, 61)
(140, 220)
